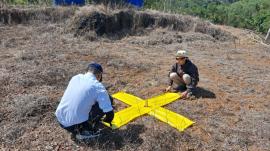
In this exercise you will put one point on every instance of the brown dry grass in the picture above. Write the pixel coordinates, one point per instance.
(91, 22)
(38, 57)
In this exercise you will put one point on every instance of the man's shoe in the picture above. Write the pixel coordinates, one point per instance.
(190, 96)
(87, 134)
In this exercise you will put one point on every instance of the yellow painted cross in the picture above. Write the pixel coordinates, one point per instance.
(150, 106)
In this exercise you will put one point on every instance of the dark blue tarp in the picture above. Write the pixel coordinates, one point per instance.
(69, 2)
(137, 3)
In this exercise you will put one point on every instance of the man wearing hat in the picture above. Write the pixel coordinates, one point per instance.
(84, 103)
(183, 75)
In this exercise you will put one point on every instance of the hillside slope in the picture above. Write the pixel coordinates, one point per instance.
(39, 56)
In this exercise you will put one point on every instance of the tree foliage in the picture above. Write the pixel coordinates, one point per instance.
(250, 14)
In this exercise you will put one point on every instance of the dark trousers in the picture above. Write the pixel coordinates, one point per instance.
(91, 124)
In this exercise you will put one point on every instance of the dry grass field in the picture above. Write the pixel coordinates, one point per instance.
(42, 48)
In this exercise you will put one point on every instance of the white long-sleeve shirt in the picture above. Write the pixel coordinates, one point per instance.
(83, 91)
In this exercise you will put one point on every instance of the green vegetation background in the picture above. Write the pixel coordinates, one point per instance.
(250, 14)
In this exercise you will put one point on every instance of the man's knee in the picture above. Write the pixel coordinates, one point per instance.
(187, 79)
(174, 76)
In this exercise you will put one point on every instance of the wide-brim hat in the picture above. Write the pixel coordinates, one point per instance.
(181, 53)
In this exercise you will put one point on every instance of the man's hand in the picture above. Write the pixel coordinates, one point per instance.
(184, 95)
(168, 88)
(109, 117)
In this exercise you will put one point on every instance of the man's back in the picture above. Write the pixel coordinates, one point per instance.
(82, 92)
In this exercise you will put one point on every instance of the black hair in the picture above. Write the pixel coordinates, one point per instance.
(95, 72)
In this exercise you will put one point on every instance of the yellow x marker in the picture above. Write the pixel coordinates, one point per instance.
(150, 106)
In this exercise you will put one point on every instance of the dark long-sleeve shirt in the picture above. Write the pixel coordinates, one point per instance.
(188, 68)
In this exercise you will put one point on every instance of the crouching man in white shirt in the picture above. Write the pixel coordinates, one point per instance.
(84, 103)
